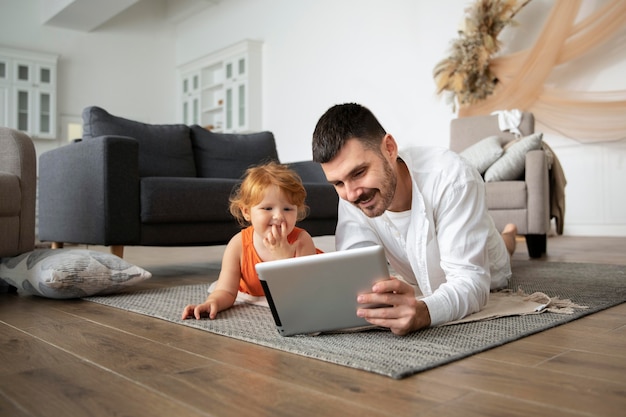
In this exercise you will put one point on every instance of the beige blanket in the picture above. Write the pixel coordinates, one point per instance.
(509, 303)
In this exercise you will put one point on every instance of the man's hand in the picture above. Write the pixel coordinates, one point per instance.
(276, 242)
(406, 314)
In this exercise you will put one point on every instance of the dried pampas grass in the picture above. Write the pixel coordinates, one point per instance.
(465, 76)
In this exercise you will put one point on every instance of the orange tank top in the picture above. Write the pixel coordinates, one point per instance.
(249, 282)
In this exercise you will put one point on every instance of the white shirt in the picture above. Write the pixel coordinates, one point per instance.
(450, 251)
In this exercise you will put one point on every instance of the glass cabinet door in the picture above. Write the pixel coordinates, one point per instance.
(5, 92)
(45, 113)
(4, 106)
(22, 72)
(229, 108)
(44, 100)
(4, 70)
(45, 76)
(241, 106)
(191, 98)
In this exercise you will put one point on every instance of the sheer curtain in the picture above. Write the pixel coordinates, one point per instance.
(581, 115)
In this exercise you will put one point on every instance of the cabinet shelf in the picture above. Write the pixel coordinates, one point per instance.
(223, 89)
(212, 87)
(213, 109)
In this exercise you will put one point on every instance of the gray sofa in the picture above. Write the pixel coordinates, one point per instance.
(18, 186)
(128, 183)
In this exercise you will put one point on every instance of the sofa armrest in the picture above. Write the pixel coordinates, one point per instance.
(18, 157)
(538, 188)
(89, 192)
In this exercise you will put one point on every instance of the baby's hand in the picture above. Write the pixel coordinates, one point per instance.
(276, 242)
(207, 309)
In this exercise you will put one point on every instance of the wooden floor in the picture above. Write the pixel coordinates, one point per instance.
(76, 358)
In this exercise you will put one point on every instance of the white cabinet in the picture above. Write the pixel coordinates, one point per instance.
(222, 91)
(191, 98)
(28, 92)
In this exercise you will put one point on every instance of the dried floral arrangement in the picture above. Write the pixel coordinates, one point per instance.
(465, 76)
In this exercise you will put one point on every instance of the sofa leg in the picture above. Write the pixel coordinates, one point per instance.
(117, 250)
(537, 245)
(56, 245)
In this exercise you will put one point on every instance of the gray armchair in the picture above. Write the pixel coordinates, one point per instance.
(18, 185)
(524, 201)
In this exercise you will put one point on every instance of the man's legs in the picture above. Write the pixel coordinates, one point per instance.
(508, 235)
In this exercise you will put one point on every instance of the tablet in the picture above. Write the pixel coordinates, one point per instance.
(317, 293)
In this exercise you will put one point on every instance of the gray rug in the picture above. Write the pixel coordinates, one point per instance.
(379, 351)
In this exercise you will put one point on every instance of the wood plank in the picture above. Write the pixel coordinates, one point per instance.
(124, 353)
(21, 352)
(82, 389)
(8, 407)
(523, 353)
(583, 339)
(315, 375)
(243, 393)
(562, 391)
(481, 404)
(31, 311)
(88, 359)
(592, 365)
(160, 367)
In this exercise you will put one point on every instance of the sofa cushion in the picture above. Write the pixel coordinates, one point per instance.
(185, 200)
(483, 153)
(322, 200)
(512, 163)
(164, 150)
(309, 171)
(225, 155)
(506, 195)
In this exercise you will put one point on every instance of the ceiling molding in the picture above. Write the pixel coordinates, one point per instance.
(88, 15)
(81, 15)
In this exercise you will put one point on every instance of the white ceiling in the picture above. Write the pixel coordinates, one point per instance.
(88, 15)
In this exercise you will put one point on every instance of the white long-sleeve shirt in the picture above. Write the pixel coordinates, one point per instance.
(447, 246)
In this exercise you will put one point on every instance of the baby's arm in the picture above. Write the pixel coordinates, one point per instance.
(225, 292)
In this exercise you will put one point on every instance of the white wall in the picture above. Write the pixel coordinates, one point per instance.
(381, 54)
(317, 53)
(127, 66)
(321, 52)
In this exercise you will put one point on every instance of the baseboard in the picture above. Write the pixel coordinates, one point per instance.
(595, 230)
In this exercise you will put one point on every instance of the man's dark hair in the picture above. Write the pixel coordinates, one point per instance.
(341, 123)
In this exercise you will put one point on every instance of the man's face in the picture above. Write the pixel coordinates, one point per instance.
(363, 177)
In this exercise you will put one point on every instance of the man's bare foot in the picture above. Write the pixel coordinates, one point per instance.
(508, 235)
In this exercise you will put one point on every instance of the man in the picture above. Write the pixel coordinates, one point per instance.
(426, 207)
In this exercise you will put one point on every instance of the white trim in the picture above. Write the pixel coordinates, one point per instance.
(595, 230)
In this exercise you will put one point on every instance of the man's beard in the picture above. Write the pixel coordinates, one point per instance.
(388, 184)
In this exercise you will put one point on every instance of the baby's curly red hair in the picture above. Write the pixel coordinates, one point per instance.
(257, 180)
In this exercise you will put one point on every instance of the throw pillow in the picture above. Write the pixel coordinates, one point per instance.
(69, 273)
(164, 150)
(483, 153)
(512, 163)
(228, 155)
